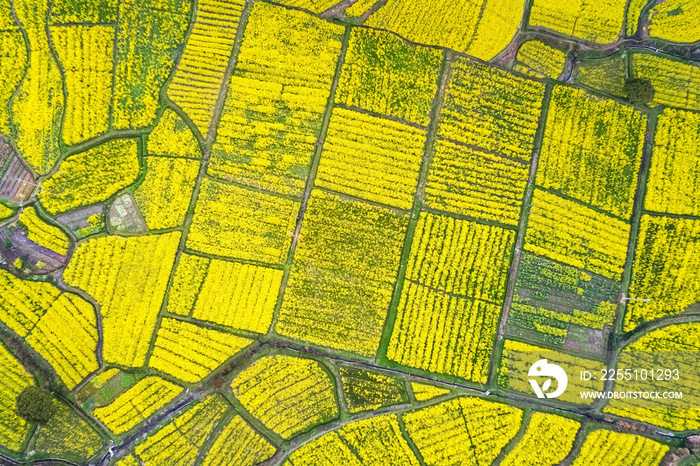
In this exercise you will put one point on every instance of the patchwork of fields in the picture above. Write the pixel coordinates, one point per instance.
(321, 232)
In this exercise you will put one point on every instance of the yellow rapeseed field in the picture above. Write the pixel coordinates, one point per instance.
(233, 221)
(241, 296)
(166, 192)
(275, 100)
(85, 54)
(128, 278)
(136, 404)
(240, 444)
(13, 429)
(288, 395)
(42, 233)
(371, 158)
(189, 353)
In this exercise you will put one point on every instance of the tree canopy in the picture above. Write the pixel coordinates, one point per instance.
(639, 90)
(35, 404)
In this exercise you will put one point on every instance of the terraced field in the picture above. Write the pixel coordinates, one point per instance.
(322, 232)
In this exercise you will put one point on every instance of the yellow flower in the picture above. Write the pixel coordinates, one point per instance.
(288, 395)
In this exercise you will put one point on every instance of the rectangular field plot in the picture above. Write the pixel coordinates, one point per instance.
(491, 109)
(460, 257)
(275, 101)
(241, 223)
(200, 72)
(401, 81)
(674, 178)
(560, 305)
(371, 158)
(592, 150)
(343, 275)
(537, 59)
(593, 21)
(443, 333)
(517, 358)
(241, 296)
(574, 234)
(677, 84)
(666, 269)
(440, 327)
(475, 183)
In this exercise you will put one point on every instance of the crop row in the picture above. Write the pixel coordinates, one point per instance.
(199, 75)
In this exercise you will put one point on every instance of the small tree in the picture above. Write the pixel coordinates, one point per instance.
(639, 90)
(35, 404)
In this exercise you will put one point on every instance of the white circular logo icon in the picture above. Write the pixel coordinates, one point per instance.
(544, 369)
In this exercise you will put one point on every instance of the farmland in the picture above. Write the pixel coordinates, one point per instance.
(324, 232)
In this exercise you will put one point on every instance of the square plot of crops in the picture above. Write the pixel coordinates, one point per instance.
(593, 21)
(443, 333)
(592, 150)
(491, 109)
(242, 223)
(384, 74)
(460, 257)
(674, 177)
(560, 305)
(371, 158)
(276, 99)
(440, 327)
(237, 295)
(477, 184)
(572, 233)
(343, 275)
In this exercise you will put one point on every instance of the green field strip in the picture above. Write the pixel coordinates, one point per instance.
(236, 260)
(341, 401)
(117, 30)
(635, 221)
(579, 202)
(467, 218)
(213, 326)
(527, 414)
(379, 115)
(214, 435)
(669, 215)
(52, 50)
(520, 240)
(486, 151)
(364, 201)
(315, 161)
(409, 440)
(450, 293)
(250, 188)
(435, 111)
(271, 436)
(525, 21)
